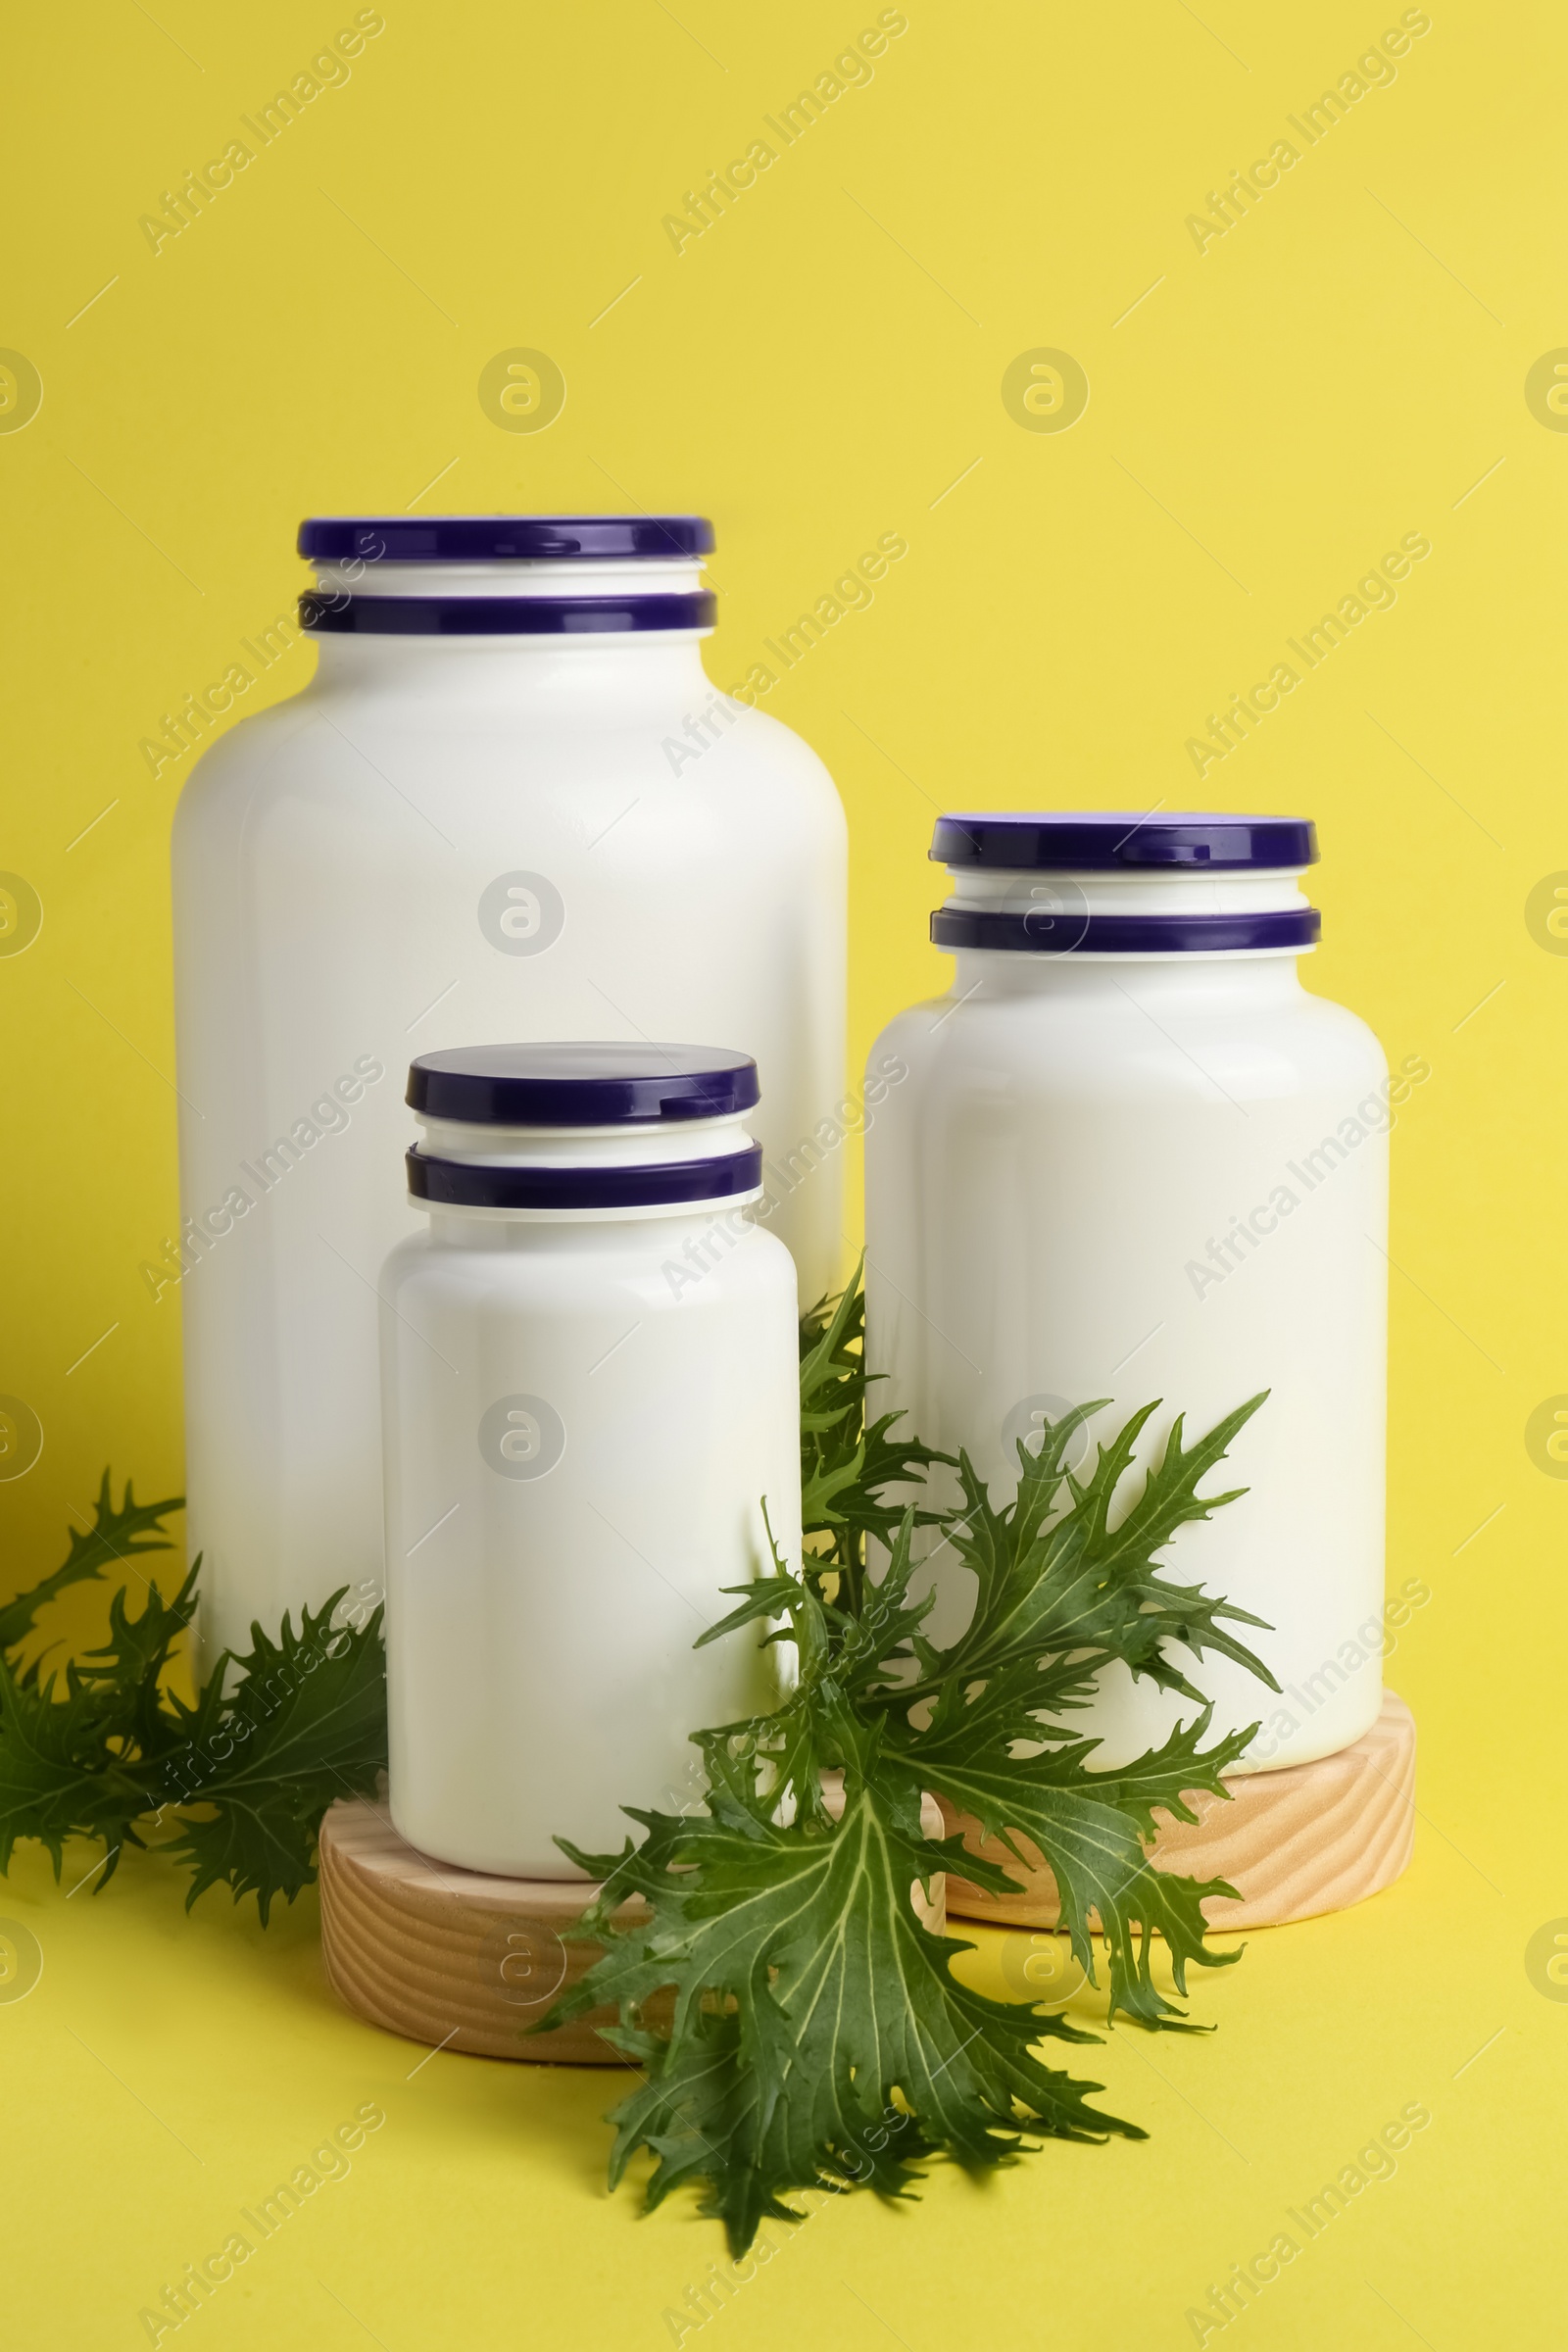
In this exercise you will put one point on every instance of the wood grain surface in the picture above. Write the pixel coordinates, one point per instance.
(461, 1960)
(1313, 1838)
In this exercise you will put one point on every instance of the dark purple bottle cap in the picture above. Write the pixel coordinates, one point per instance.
(581, 1085)
(1068, 840)
(501, 538)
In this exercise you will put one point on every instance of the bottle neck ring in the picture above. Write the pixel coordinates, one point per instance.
(333, 615)
(1122, 915)
(666, 1185)
(668, 1167)
(357, 596)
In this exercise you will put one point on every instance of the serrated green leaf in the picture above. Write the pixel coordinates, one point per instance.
(1091, 1829)
(850, 2049)
(846, 1463)
(307, 1725)
(59, 1777)
(818, 2034)
(99, 1750)
(116, 1535)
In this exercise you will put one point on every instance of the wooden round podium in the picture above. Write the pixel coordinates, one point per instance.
(1313, 1838)
(449, 1957)
(461, 1960)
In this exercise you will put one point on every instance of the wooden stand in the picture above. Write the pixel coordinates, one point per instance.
(1313, 1838)
(453, 1957)
(459, 1960)
(463, 1961)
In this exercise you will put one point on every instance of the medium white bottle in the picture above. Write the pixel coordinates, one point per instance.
(509, 805)
(1133, 1159)
(589, 1393)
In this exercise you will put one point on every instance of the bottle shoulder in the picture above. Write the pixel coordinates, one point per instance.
(230, 769)
(908, 1039)
(684, 1264)
(338, 743)
(1130, 1039)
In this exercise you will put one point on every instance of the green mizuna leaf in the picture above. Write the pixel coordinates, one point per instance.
(58, 1776)
(817, 2033)
(306, 1725)
(846, 1461)
(115, 1534)
(107, 1750)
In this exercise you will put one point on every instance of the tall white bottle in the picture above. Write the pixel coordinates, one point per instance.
(1134, 1159)
(509, 807)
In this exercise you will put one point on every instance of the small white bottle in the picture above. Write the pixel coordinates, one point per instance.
(1133, 1159)
(508, 805)
(589, 1392)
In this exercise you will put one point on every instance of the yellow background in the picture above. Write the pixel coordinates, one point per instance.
(1345, 365)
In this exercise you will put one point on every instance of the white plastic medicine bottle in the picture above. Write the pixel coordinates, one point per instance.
(1133, 1159)
(507, 806)
(589, 1388)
